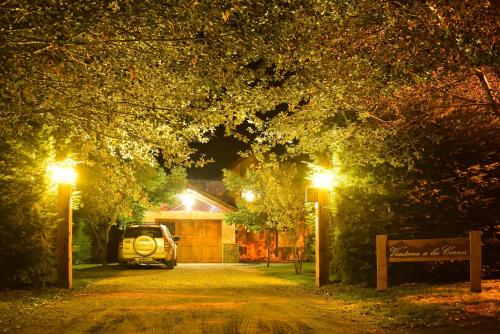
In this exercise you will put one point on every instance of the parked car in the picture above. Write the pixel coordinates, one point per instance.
(147, 244)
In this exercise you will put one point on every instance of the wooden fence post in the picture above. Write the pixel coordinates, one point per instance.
(475, 260)
(381, 247)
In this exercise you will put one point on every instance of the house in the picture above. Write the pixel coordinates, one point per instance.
(197, 217)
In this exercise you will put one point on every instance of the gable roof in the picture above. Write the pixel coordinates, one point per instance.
(204, 202)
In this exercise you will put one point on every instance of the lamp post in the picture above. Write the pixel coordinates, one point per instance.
(65, 176)
(322, 182)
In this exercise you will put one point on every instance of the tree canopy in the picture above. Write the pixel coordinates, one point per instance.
(401, 96)
(162, 74)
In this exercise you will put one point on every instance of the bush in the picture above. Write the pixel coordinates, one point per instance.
(82, 244)
(27, 210)
(446, 188)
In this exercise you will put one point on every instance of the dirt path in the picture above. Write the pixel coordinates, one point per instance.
(189, 299)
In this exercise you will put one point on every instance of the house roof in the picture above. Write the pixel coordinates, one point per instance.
(202, 202)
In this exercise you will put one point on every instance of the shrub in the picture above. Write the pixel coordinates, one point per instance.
(27, 210)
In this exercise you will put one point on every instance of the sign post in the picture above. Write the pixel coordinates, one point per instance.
(381, 245)
(419, 250)
(475, 261)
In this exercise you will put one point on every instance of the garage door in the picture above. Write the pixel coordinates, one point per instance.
(200, 241)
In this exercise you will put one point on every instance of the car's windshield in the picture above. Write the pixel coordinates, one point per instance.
(150, 231)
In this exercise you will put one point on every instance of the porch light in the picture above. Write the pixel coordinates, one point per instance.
(248, 195)
(188, 200)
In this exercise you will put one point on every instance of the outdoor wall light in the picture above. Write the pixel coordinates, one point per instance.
(188, 200)
(248, 195)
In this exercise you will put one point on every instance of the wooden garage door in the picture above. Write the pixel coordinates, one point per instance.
(200, 241)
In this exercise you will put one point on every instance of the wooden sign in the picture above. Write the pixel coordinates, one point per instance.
(444, 249)
(429, 250)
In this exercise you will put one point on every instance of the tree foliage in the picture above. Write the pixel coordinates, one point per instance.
(116, 190)
(27, 209)
(278, 203)
(402, 95)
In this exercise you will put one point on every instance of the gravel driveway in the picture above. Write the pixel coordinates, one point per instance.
(189, 299)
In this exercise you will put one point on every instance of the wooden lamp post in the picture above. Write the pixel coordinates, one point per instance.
(64, 175)
(322, 182)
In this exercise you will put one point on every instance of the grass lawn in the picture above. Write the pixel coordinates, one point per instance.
(285, 271)
(412, 305)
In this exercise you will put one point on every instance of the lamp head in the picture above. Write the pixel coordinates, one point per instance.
(324, 179)
(63, 172)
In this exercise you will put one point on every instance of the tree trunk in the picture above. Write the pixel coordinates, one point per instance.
(99, 243)
(104, 253)
(297, 258)
(112, 221)
(268, 247)
(485, 85)
(276, 243)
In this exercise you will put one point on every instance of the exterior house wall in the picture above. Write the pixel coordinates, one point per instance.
(228, 231)
(229, 247)
(253, 246)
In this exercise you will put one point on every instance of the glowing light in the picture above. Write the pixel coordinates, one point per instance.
(248, 195)
(188, 200)
(324, 179)
(63, 172)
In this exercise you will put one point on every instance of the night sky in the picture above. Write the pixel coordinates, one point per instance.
(223, 150)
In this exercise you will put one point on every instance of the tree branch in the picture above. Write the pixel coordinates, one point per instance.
(487, 89)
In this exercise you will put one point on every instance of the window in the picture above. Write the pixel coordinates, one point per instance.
(167, 231)
(171, 227)
(169, 224)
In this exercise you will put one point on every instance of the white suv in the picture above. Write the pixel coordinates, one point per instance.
(147, 244)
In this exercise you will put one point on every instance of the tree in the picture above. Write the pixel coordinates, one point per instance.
(27, 208)
(108, 192)
(160, 186)
(287, 72)
(83, 69)
(115, 190)
(278, 204)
